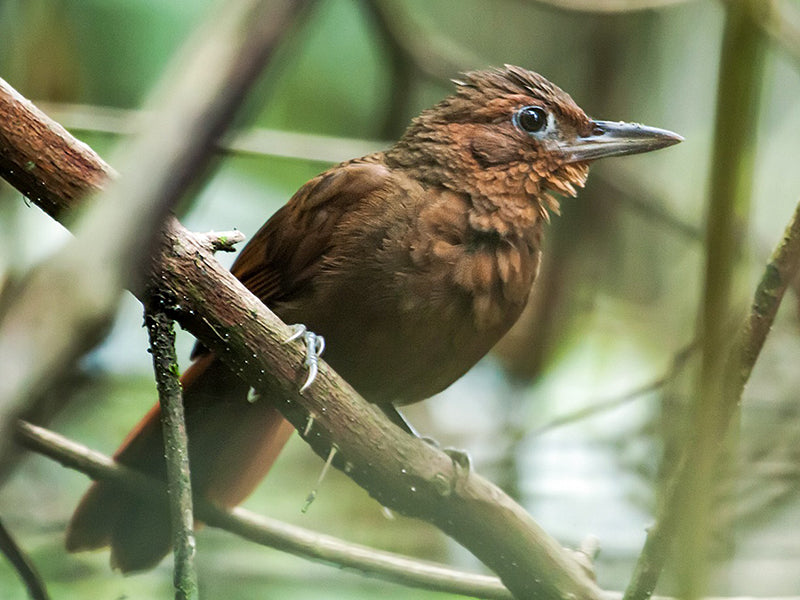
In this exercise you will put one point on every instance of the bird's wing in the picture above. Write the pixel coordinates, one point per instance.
(289, 249)
(283, 256)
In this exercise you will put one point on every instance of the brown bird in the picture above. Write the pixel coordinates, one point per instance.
(412, 263)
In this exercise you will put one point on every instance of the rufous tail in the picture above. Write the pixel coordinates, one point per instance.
(232, 445)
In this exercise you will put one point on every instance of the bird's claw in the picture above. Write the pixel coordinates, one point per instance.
(586, 554)
(461, 458)
(315, 345)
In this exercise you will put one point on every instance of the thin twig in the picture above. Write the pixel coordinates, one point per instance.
(161, 330)
(283, 536)
(256, 141)
(265, 531)
(22, 565)
(221, 241)
(778, 275)
(634, 193)
(597, 407)
(609, 6)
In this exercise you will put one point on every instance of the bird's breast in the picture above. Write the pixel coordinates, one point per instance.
(407, 316)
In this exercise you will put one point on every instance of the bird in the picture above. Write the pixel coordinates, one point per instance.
(411, 263)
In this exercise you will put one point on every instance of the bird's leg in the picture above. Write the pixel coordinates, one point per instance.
(315, 345)
(461, 458)
(398, 419)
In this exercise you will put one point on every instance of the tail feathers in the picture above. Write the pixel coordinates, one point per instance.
(88, 529)
(232, 445)
(138, 533)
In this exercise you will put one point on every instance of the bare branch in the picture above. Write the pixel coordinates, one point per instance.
(258, 141)
(283, 536)
(22, 565)
(221, 241)
(596, 407)
(779, 274)
(63, 308)
(609, 6)
(269, 532)
(161, 330)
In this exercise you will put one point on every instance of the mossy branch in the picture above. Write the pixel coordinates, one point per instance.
(161, 330)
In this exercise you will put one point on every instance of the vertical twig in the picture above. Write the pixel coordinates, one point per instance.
(165, 363)
(22, 565)
(715, 401)
(781, 270)
(685, 509)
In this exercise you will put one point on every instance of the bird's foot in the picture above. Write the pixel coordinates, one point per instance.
(461, 458)
(586, 554)
(315, 345)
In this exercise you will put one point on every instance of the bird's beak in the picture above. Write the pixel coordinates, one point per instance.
(617, 139)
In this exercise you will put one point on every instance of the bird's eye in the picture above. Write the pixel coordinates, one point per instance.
(531, 118)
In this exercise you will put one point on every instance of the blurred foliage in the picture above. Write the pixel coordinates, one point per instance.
(616, 299)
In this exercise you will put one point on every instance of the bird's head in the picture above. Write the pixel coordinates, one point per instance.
(509, 131)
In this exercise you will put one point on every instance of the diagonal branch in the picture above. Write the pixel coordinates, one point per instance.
(782, 268)
(22, 565)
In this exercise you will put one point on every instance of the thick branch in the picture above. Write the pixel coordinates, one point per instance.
(715, 401)
(412, 478)
(404, 474)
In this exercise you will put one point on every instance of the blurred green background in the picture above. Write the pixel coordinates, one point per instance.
(611, 319)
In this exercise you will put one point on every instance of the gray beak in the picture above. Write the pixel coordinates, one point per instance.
(610, 138)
